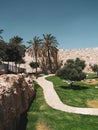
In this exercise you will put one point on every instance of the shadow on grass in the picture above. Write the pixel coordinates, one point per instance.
(95, 77)
(23, 118)
(75, 87)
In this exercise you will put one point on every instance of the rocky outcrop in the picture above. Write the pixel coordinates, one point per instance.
(16, 93)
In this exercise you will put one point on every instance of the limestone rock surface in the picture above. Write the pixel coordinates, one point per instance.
(16, 93)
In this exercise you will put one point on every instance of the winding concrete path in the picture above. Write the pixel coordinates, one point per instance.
(53, 100)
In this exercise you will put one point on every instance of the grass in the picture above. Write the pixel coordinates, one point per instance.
(78, 95)
(90, 75)
(43, 117)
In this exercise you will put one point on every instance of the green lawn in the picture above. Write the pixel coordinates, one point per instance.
(76, 96)
(43, 117)
(90, 75)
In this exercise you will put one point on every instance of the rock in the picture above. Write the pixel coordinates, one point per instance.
(16, 93)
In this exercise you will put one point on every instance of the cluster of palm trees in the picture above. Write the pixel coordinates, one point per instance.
(45, 52)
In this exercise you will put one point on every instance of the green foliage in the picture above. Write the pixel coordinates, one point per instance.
(49, 53)
(50, 40)
(1, 30)
(15, 50)
(34, 46)
(72, 70)
(90, 75)
(95, 68)
(16, 40)
(34, 64)
(76, 96)
(34, 51)
(46, 50)
(3, 48)
(41, 116)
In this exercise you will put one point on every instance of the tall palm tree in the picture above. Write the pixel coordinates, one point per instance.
(54, 54)
(49, 44)
(34, 48)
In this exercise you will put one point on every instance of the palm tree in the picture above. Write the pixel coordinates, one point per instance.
(34, 48)
(49, 45)
(54, 54)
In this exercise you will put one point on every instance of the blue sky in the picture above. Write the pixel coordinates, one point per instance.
(74, 23)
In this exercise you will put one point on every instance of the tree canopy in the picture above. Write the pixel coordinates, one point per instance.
(45, 52)
(3, 48)
(72, 70)
(15, 50)
(95, 68)
(49, 53)
(1, 30)
(34, 51)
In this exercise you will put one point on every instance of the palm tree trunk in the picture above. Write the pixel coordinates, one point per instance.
(36, 62)
(50, 63)
(56, 61)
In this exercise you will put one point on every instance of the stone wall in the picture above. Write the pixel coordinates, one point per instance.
(16, 93)
(90, 55)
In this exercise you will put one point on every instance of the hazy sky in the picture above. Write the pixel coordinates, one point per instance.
(74, 23)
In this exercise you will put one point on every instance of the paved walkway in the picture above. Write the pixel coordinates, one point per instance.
(53, 100)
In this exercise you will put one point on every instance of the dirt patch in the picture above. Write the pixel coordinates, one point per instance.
(93, 103)
(41, 126)
(90, 82)
(42, 107)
